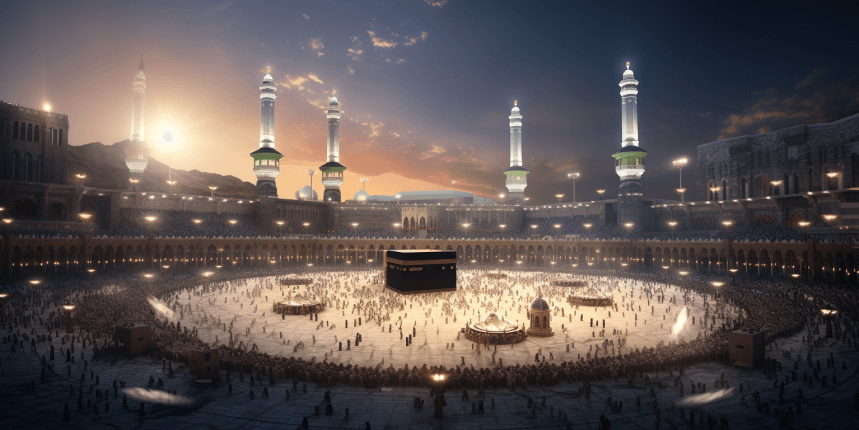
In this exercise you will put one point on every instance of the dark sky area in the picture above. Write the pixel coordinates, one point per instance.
(426, 85)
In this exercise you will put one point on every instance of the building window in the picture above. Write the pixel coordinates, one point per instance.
(60, 137)
(36, 134)
(29, 132)
(15, 130)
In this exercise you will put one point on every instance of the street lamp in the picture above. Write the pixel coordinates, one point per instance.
(134, 182)
(213, 188)
(559, 196)
(679, 163)
(573, 176)
(85, 217)
(715, 191)
(600, 192)
(81, 176)
(67, 310)
(171, 183)
(775, 184)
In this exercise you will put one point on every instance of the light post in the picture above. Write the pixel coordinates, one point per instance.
(501, 196)
(672, 224)
(679, 163)
(81, 176)
(171, 183)
(134, 182)
(311, 172)
(67, 311)
(438, 381)
(280, 227)
(213, 188)
(85, 217)
(775, 186)
(600, 192)
(559, 196)
(588, 228)
(715, 191)
(573, 176)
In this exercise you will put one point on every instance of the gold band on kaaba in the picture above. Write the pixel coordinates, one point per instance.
(420, 262)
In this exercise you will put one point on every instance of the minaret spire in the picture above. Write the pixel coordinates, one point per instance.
(629, 161)
(266, 158)
(516, 174)
(137, 153)
(332, 171)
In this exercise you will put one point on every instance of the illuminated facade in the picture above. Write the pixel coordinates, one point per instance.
(266, 158)
(516, 174)
(629, 161)
(332, 170)
(137, 153)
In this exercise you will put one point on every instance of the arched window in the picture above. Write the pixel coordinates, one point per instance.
(785, 182)
(39, 169)
(808, 179)
(545, 321)
(16, 161)
(23, 134)
(743, 193)
(405, 223)
(28, 167)
(29, 132)
(36, 133)
(15, 130)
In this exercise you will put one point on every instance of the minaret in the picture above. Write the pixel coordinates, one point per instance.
(516, 180)
(137, 154)
(629, 161)
(332, 171)
(266, 158)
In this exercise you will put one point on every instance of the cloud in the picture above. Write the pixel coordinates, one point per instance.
(305, 16)
(811, 78)
(410, 41)
(299, 81)
(316, 44)
(400, 61)
(319, 54)
(773, 112)
(424, 35)
(350, 69)
(219, 8)
(436, 3)
(374, 128)
(354, 54)
(314, 78)
(381, 43)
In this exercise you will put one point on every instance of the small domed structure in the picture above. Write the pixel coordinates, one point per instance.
(362, 196)
(541, 318)
(304, 194)
(495, 331)
(540, 304)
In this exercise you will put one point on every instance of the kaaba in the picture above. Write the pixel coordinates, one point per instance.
(420, 271)
(132, 338)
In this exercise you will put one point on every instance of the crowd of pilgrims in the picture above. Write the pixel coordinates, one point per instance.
(778, 308)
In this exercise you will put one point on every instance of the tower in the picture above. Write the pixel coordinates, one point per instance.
(629, 161)
(516, 174)
(137, 153)
(332, 171)
(266, 158)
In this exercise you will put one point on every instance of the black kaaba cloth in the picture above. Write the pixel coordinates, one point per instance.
(411, 271)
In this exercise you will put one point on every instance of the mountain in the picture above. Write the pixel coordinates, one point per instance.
(104, 167)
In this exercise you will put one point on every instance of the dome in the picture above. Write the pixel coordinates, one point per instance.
(540, 304)
(304, 194)
(361, 196)
(333, 101)
(627, 74)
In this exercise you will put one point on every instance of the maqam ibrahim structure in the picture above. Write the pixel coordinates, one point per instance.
(137, 153)
(266, 158)
(629, 161)
(332, 171)
(516, 174)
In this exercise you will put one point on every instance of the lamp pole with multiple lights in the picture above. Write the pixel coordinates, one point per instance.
(679, 165)
(573, 176)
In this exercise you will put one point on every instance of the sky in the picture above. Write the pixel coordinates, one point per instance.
(426, 85)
